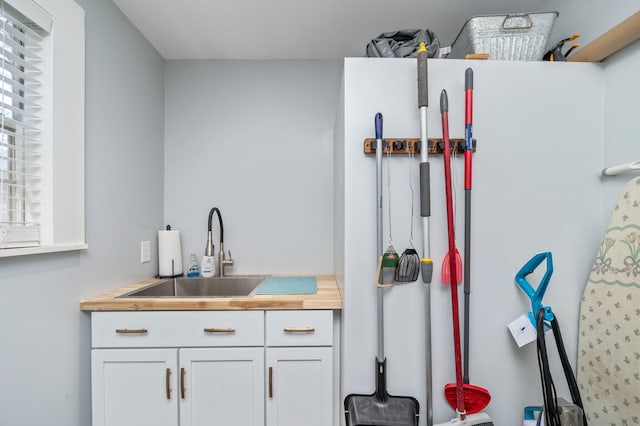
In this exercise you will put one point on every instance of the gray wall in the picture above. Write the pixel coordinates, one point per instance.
(44, 361)
(254, 138)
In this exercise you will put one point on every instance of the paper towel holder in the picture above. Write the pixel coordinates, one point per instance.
(171, 272)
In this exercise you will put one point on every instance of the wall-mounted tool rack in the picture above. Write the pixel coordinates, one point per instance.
(412, 146)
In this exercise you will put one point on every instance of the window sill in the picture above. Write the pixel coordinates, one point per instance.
(42, 249)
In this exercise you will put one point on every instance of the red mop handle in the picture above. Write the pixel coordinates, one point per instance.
(444, 109)
(468, 125)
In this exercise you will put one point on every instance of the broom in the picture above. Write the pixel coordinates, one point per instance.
(475, 394)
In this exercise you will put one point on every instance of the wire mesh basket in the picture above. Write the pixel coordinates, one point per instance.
(519, 37)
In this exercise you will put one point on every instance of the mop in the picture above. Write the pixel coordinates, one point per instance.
(390, 257)
(557, 411)
(426, 264)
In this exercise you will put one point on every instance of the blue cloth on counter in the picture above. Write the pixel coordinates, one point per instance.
(288, 285)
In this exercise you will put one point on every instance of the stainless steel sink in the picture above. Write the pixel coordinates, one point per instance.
(230, 286)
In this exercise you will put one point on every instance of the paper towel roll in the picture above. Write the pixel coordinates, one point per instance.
(169, 253)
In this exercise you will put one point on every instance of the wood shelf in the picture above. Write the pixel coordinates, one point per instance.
(617, 38)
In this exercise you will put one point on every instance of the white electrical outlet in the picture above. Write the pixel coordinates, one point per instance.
(145, 251)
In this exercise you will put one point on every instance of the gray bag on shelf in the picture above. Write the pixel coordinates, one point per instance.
(403, 44)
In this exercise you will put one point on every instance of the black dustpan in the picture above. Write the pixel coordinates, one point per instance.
(380, 408)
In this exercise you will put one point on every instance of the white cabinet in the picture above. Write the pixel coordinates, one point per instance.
(148, 329)
(134, 387)
(138, 387)
(225, 384)
(177, 368)
(299, 360)
(192, 368)
(300, 386)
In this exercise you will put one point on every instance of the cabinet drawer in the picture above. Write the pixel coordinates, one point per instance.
(177, 329)
(299, 328)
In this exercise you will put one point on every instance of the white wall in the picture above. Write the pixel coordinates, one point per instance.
(255, 139)
(591, 19)
(535, 188)
(44, 361)
(621, 120)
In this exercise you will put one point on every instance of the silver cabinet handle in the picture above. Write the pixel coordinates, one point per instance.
(182, 388)
(131, 331)
(299, 330)
(168, 383)
(220, 330)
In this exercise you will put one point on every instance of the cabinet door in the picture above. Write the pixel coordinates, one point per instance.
(299, 386)
(134, 387)
(222, 386)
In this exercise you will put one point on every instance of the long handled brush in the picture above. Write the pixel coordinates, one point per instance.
(466, 395)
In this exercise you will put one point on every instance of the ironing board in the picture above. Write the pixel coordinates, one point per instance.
(608, 372)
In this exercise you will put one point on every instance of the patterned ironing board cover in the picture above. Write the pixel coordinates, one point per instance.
(608, 372)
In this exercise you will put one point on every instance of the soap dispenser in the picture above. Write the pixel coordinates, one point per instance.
(193, 270)
(208, 263)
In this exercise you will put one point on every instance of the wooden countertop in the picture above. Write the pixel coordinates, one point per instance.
(327, 297)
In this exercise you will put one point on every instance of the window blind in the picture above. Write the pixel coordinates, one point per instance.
(20, 129)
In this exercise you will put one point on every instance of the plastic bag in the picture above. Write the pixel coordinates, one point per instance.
(403, 44)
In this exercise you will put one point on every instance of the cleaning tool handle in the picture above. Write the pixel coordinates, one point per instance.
(423, 90)
(381, 379)
(426, 269)
(468, 79)
(425, 185)
(379, 147)
(468, 164)
(468, 161)
(444, 105)
(536, 295)
(467, 280)
(468, 126)
(444, 109)
(378, 122)
(379, 247)
(426, 264)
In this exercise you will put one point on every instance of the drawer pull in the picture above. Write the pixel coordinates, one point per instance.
(132, 331)
(270, 382)
(182, 390)
(168, 383)
(299, 330)
(220, 330)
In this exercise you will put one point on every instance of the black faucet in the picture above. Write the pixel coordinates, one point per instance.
(209, 249)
